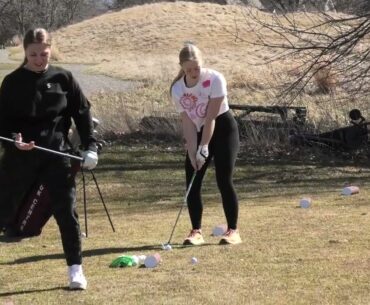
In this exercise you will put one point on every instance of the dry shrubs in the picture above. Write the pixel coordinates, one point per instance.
(145, 108)
(325, 78)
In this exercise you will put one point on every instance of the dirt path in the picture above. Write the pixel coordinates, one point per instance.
(4, 57)
(89, 83)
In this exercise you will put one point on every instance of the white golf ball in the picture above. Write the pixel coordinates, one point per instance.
(83, 234)
(194, 260)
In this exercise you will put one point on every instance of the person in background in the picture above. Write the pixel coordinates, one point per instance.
(210, 131)
(37, 104)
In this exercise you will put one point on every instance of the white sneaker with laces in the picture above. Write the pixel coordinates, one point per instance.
(77, 279)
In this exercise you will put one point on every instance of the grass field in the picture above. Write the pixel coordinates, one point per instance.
(5, 69)
(289, 255)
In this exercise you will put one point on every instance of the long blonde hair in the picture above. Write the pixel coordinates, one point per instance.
(37, 35)
(188, 52)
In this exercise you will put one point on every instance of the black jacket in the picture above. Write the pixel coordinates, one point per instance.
(41, 106)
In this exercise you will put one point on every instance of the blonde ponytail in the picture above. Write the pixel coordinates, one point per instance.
(179, 76)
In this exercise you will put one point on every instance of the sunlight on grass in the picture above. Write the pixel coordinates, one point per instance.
(289, 255)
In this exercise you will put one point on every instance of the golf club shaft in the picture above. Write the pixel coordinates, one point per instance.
(182, 206)
(84, 199)
(189, 187)
(45, 149)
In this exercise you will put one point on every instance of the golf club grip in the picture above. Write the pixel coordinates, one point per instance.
(45, 149)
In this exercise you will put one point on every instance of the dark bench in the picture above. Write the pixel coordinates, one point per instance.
(299, 113)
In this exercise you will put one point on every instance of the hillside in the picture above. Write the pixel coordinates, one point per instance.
(142, 41)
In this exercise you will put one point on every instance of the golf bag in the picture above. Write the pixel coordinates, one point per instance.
(36, 210)
(342, 139)
(346, 138)
(33, 214)
(26, 223)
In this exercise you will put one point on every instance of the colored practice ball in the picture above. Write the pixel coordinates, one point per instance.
(305, 203)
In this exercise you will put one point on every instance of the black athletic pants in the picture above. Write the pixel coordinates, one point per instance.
(223, 148)
(20, 170)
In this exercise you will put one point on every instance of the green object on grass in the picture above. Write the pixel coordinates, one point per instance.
(123, 261)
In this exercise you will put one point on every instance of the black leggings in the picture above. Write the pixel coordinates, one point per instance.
(20, 170)
(223, 148)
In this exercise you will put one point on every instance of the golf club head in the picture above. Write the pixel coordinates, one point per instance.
(166, 247)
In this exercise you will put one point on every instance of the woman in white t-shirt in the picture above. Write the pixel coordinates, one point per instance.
(210, 131)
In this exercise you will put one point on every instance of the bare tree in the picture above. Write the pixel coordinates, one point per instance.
(4, 30)
(16, 16)
(331, 51)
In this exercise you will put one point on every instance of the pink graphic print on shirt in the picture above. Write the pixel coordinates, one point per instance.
(206, 83)
(201, 110)
(188, 101)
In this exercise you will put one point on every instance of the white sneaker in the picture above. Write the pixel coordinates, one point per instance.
(77, 279)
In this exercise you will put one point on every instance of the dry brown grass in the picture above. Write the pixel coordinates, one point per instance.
(123, 112)
(142, 42)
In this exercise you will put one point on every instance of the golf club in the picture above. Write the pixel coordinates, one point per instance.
(45, 149)
(182, 206)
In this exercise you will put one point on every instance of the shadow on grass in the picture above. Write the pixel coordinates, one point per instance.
(86, 253)
(118, 165)
(98, 252)
(318, 161)
(12, 293)
(140, 159)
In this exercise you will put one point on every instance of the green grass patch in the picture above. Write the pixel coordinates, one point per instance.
(289, 255)
(7, 66)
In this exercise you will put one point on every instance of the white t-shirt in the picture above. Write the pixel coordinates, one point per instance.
(194, 100)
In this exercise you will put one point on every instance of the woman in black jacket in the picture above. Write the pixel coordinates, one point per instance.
(37, 104)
